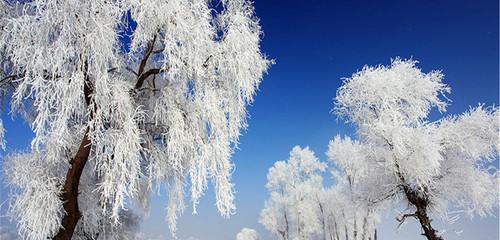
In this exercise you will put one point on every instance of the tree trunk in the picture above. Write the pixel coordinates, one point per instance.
(346, 233)
(425, 222)
(285, 233)
(365, 227)
(330, 230)
(69, 195)
(345, 226)
(355, 233)
(323, 223)
(70, 190)
(421, 203)
(337, 234)
(282, 234)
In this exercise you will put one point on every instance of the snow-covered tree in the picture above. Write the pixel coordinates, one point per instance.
(400, 156)
(247, 234)
(291, 210)
(112, 119)
(301, 207)
(347, 215)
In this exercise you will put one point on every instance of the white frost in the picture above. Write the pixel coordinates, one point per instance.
(178, 128)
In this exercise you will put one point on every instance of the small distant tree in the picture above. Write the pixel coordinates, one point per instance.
(123, 94)
(400, 156)
(291, 210)
(301, 207)
(347, 215)
(247, 234)
(275, 216)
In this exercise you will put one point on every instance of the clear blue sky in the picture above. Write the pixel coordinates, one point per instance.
(315, 43)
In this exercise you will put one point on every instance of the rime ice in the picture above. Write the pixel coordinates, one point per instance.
(169, 111)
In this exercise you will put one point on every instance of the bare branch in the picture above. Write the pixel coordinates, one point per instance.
(145, 75)
(147, 54)
(401, 219)
(131, 70)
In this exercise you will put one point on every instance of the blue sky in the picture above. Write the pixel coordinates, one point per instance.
(315, 43)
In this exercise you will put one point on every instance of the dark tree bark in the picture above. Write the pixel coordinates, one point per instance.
(69, 194)
(70, 190)
(355, 231)
(323, 223)
(420, 200)
(421, 203)
(284, 233)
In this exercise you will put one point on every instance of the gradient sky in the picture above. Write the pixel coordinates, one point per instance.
(315, 43)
